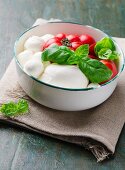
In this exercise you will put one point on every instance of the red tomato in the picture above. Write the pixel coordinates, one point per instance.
(92, 56)
(75, 45)
(86, 39)
(73, 38)
(91, 49)
(61, 36)
(56, 43)
(111, 65)
(51, 41)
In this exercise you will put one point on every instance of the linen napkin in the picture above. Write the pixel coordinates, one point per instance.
(96, 129)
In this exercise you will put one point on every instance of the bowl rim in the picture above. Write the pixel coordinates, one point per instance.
(62, 88)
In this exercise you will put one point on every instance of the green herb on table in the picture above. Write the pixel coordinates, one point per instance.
(13, 109)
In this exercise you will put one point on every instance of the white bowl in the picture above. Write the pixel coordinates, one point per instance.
(64, 98)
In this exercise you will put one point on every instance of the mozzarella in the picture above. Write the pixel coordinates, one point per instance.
(34, 43)
(64, 76)
(34, 67)
(38, 56)
(95, 85)
(46, 37)
(25, 56)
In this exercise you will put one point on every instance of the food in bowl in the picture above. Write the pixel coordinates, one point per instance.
(62, 97)
(70, 61)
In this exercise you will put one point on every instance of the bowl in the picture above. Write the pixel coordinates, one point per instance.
(64, 98)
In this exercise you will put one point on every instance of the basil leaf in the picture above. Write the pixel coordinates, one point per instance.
(96, 71)
(73, 59)
(108, 54)
(9, 109)
(81, 52)
(114, 56)
(22, 106)
(104, 43)
(104, 53)
(66, 49)
(57, 54)
(14, 109)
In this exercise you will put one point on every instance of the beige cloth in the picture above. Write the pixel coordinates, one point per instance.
(97, 129)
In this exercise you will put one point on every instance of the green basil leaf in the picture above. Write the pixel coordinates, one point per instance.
(22, 106)
(66, 49)
(73, 59)
(104, 53)
(49, 51)
(96, 71)
(104, 43)
(8, 109)
(82, 50)
(14, 109)
(57, 54)
(107, 54)
(114, 55)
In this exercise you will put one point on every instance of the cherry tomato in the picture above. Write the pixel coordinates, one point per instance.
(61, 36)
(111, 65)
(92, 56)
(72, 41)
(51, 41)
(75, 45)
(86, 39)
(73, 38)
(91, 49)
(56, 43)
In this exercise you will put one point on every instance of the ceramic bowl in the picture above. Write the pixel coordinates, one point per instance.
(64, 98)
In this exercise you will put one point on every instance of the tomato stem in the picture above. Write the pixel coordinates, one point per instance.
(66, 42)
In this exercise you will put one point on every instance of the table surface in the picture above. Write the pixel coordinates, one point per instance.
(24, 150)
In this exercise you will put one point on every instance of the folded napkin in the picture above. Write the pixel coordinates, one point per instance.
(96, 129)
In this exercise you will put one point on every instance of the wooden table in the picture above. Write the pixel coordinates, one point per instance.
(23, 150)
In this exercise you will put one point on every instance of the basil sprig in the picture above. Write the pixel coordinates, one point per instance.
(96, 71)
(13, 109)
(105, 49)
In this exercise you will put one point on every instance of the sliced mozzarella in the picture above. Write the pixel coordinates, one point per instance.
(34, 43)
(34, 67)
(25, 56)
(64, 76)
(95, 85)
(46, 37)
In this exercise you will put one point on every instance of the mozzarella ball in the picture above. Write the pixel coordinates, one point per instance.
(38, 56)
(34, 43)
(25, 56)
(64, 76)
(95, 85)
(46, 37)
(34, 67)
